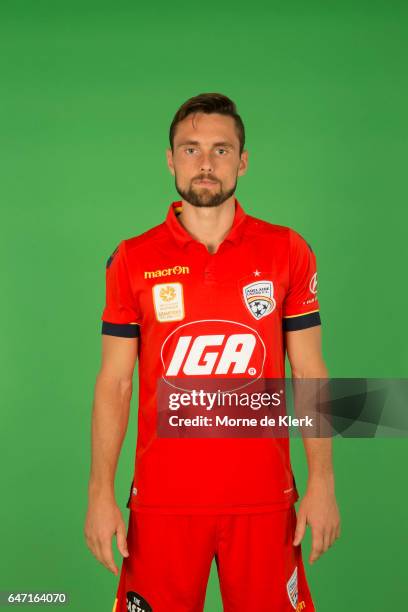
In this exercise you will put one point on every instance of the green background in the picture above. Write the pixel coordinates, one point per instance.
(88, 93)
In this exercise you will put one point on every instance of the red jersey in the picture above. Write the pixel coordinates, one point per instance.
(187, 307)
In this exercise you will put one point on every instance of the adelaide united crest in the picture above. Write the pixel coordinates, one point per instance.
(258, 298)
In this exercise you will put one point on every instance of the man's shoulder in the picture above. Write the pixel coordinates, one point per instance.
(145, 240)
(260, 227)
(257, 226)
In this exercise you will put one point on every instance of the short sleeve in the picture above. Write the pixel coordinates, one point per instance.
(121, 316)
(301, 306)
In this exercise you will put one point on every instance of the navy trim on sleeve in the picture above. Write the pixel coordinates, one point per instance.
(123, 330)
(110, 259)
(301, 322)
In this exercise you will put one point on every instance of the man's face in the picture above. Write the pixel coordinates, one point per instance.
(205, 161)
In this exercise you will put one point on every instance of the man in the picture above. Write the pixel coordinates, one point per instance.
(211, 293)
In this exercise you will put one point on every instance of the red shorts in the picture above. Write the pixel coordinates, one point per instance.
(170, 558)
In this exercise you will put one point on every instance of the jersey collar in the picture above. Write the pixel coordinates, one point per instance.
(183, 237)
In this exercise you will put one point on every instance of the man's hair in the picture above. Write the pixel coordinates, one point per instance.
(209, 103)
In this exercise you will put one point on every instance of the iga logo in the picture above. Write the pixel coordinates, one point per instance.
(213, 348)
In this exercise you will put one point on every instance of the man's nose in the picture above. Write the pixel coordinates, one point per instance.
(206, 163)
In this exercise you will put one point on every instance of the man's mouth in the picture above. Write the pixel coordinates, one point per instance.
(206, 182)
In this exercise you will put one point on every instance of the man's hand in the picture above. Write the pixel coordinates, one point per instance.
(103, 520)
(318, 508)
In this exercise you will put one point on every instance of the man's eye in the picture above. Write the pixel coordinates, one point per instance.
(189, 149)
(223, 150)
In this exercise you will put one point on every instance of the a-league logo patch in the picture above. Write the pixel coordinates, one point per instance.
(168, 302)
(258, 298)
(136, 603)
(292, 589)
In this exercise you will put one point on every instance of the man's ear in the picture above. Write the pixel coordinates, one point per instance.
(243, 163)
(169, 156)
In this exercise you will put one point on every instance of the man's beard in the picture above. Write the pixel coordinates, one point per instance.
(204, 197)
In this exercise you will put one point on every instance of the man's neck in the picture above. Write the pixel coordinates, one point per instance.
(208, 224)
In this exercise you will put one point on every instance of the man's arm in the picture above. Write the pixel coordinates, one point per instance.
(318, 508)
(110, 416)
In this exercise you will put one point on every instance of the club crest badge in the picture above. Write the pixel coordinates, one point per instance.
(258, 298)
(292, 589)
